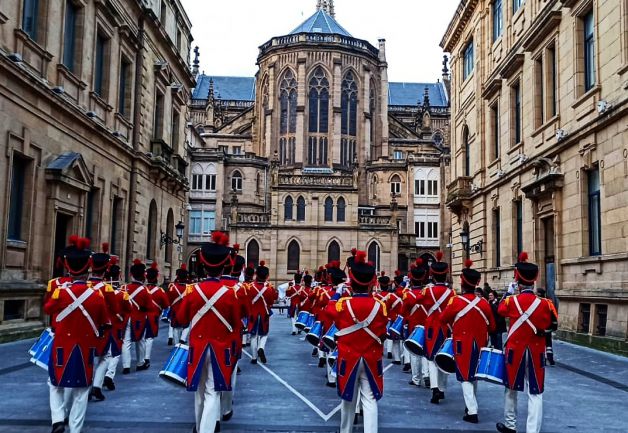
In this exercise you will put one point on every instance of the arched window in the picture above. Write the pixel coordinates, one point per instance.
(373, 254)
(294, 256)
(395, 185)
(300, 209)
(288, 204)
(236, 181)
(252, 252)
(329, 209)
(374, 187)
(288, 117)
(318, 118)
(151, 230)
(170, 234)
(340, 210)
(349, 119)
(333, 252)
(467, 151)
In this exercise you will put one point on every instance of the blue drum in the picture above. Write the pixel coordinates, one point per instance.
(444, 358)
(176, 368)
(395, 331)
(309, 323)
(165, 315)
(314, 336)
(416, 341)
(328, 339)
(45, 337)
(492, 366)
(42, 349)
(301, 321)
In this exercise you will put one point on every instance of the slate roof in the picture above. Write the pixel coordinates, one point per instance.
(321, 22)
(228, 88)
(243, 89)
(412, 93)
(63, 161)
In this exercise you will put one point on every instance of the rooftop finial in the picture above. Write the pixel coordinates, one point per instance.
(327, 6)
(195, 63)
(445, 68)
(426, 98)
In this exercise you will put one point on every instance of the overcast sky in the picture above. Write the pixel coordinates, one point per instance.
(229, 32)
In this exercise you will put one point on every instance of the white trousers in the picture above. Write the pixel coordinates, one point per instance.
(387, 346)
(420, 369)
(111, 366)
(293, 320)
(206, 400)
(405, 355)
(469, 392)
(226, 397)
(102, 366)
(438, 379)
(331, 376)
(364, 395)
(257, 342)
(140, 349)
(149, 348)
(76, 404)
(396, 350)
(170, 332)
(184, 335)
(535, 410)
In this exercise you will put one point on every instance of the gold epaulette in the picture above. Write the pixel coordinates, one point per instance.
(507, 300)
(90, 285)
(451, 301)
(383, 304)
(109, 288)
(552, 307)
(126, 296)
(189, 289)
(50, 285)
(339, 303)
(55, 294)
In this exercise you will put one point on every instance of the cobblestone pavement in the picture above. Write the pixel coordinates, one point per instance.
(586, 392)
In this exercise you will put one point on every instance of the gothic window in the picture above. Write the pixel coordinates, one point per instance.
(318, 118)
(340, 210)
(374, 187)
(288, 205)
(349, 119)
(294, 256)
(333, 252)
(288, 118)
(395, 185)
(252, 252)
(236, 181)
(300, 209)
(329, 209)
(373, 254)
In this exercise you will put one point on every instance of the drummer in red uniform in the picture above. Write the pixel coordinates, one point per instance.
(80, 317)
(176, 292)
(361, 322)
(263, 296)
(435, 298)
(212, 311)
(472, 320)
(294, 294)
(415, 314)
(524, 351)
(160, 302)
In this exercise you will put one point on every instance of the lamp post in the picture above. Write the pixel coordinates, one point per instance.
(167, 240)
(475, 248)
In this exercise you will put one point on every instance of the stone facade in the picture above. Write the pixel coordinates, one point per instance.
(300, 179)
(539, 156)
(93, 111)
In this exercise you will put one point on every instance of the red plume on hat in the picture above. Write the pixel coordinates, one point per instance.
(137, 262)
(523, 257)
(397, 272)
(236, 247)
(113, 261)
(439, 256)
(262, 263)
(83, 243)
(360, 257)
(382, 273)
(105, 247)
(354, 250)
(154, 265)
(73, 239)
(184, 267)
(419, 262)
(468, 263)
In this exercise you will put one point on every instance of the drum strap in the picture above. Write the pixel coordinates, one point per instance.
(209, 305)
(525, 317)
(152, 292)
(361, 325)
(397, 301)
(179, 294)
(78, 303)
(416, 307)
(260, 295)
(438, 303)
(134, 294)
(470, 306)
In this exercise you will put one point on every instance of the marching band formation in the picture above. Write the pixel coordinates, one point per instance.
(352, 316)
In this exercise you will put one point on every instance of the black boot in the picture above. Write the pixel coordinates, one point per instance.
(261, 355)
(426, 381)
(501, 428)
(315, 352)
(126, 370)
(217, 429)
(471, 418)
(406, 368)
(238, 370)
(441, 394)
(321, 362)
(143, 366)
(170, 342)
(108, 383)
(389, 355)
(58, 427)
(435, 396)
(397, 362)
(294, 333)
(254, 361)
(97, 394)
(550, 356)
(227, 416)
(330, 384)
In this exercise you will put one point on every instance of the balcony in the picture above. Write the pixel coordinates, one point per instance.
(167, 166)
(332, 40)
(407, 240)
(459, 194)
(324, 180)
(373, 221)
(252, 219)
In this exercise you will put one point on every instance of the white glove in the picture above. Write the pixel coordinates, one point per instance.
(340, 289)
(512, 287)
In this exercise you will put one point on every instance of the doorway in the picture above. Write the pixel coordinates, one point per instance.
(62, 227)
(549, 258)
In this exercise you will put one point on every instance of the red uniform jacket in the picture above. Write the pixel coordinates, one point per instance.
(394, 304)
(435, 331)
(209, 332)
(296, 294)
(76, 339)
(141, 302)
(54, 284)
(306, 299)
(119, 321)
(413, 310)
(263, 296)
(110, 301)
(470, 332)
(176, 292)
(525, 340)
(360, 345)
(159, 301)
(324, 296)
(236, 342)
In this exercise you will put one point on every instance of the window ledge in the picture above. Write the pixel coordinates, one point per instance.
(514, 148)
(100, 101)
(594, 259)
(70, 76)
(623, 69)
(33, 45)
(594, 91)
(13, 243)
(496, 163)
(546, 125)
(123, 119)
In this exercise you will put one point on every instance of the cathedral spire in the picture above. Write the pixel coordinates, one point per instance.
(327, 6)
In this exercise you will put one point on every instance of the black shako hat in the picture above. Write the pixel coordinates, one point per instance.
(138, 270)
(215, 254)
(383, 280)
(152, 273)
(182, 273)
(418, 271)
(469, 278)
(238, 265)
(262, 271)
(439, 269)
(100, 261)
(78, 260)
(307, 279)
(361, 273)
(525, 273)
(297, 277)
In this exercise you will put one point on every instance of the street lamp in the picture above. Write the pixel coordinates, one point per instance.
(475, 248)
(167, 240)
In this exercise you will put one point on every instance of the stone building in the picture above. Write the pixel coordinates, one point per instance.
(93, 98)
(319, 153)
(539, 152)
